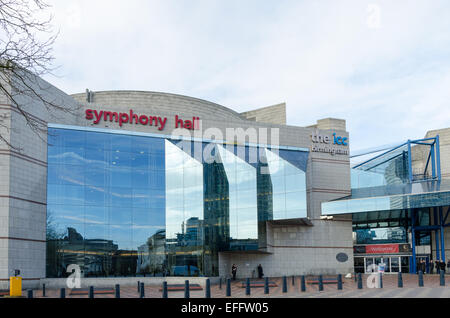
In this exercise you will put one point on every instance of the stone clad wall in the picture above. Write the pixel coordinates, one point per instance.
(272, 114)
(24, 199)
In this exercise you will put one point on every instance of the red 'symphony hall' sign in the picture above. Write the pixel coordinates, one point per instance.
(133, 118)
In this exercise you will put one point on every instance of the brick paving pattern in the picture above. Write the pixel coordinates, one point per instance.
(431, 289)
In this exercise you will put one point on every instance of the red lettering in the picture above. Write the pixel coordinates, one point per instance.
(153, 120)
(89, 115)
(178, 122)
(133, 116)
(123, 118)
(143, 120)
(187, 124)
(111, 115)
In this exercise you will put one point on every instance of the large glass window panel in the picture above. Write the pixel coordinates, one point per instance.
(295, 182)
(143, 232)
(122, 234)
(65, 214)
(95, 232)
(184, 181)
(121, 197)
(121, 143)
(96, 195)
(151, 216)
(120, 177)
(120, 215)
(65, 194)
(140, 178)
(245, 200)
(296, 201)
(141, 198)
(96, 215)
(96, 176)
(288, 182)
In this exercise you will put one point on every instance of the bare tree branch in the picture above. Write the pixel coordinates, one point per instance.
(26, 42)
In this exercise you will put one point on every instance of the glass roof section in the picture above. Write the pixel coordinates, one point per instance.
(392, 197)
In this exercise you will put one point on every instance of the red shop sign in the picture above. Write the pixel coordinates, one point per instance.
(382, 249)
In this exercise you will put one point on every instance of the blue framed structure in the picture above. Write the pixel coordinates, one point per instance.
(388, 182)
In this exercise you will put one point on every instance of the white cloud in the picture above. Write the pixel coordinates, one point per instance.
(322, 58)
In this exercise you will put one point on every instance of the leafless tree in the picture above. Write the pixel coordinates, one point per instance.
(26, 42)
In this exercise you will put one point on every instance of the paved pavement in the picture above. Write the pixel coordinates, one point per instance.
(431, 289)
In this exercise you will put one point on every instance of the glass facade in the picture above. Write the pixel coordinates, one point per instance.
(127, 205)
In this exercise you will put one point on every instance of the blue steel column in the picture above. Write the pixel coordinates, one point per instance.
(436, 237)
(441, 221)
(410, 162)
(438, 158)
(433, 162)
(413, 240)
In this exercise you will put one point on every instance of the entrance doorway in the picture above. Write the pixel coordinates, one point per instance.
(391, 264)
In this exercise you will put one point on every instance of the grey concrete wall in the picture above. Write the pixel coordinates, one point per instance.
(275, 114)
(23, 193)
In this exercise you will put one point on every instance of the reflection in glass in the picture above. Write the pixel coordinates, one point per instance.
(126, 205)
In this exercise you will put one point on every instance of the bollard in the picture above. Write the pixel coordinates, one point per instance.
(91, 292)
(360, 285)
(142, 289)
(293, 280)
(228, 287)
(117, 291)
(420, 279)
(220, 283)
(320, 283)
(442, 280)
(400, 280)
(62, 293)
(303, 283)
(266, 285)
(208, 289)
(339, 280)
(284, 284)
(43, 290)
(381, 280)
(247, 287)
(30, 293)
(165, 293)
(186, 289)
(139, 285)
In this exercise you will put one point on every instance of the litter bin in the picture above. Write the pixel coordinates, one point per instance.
(15, 286)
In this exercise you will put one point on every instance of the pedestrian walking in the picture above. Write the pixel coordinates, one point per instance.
(423, 266)
(260, 271)
(431, 266)
(234, 271)
(442, 265)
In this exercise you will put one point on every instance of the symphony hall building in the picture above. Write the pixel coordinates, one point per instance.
(133, 183)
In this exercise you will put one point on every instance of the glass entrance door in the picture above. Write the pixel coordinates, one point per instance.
(395, 264)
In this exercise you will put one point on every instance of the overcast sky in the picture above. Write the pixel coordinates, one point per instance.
(384, 66)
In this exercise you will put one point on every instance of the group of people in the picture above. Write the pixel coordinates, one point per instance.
(438, 265)
(234, 271)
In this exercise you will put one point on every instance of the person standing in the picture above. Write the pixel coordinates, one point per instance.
(234, 271)
(431, 266)
(443, 266)
(260, 271)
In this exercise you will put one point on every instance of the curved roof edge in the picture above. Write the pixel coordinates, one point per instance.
(81, 97)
